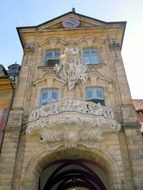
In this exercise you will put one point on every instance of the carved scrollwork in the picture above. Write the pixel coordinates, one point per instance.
(71, 122)
(72, 105)
(29, 49)
(71, 68)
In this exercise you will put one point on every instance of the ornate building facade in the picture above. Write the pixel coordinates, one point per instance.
(72, 124)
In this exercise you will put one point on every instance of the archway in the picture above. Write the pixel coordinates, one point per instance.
(76, 168)
(72, 174)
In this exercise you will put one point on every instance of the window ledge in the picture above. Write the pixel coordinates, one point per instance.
(46, 68)
(91, 67)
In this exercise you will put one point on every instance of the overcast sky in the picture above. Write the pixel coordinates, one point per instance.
(15, 13)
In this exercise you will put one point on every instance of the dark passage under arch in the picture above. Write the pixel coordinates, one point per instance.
(69, 173)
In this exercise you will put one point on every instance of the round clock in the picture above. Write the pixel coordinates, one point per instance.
(71, 23)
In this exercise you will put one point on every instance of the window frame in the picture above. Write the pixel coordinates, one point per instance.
(53, 58)
(94, 96)
(49, 98)
(90, 57)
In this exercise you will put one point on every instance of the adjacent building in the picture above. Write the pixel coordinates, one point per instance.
(72, 124)
(6, 95)
(8, 80)
(138, 103)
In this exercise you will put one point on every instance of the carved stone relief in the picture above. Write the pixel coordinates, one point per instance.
(71, 68)
(90, 40)
(71, 122)
(29, 50)
(53, 42)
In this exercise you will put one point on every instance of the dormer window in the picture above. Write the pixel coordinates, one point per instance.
(52, 57)
(95, 94)
(90, 56)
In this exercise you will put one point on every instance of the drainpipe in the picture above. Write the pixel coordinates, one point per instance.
(7, 116)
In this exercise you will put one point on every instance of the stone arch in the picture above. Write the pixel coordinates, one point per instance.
(41, 159)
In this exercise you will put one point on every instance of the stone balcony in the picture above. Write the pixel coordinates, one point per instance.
(71, 122)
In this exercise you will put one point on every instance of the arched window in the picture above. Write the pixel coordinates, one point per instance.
(90, 56)
(95, 94)
(48, 95)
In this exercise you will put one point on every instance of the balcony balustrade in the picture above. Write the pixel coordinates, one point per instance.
(72, 122)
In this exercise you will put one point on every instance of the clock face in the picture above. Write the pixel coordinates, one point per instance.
(71, 23)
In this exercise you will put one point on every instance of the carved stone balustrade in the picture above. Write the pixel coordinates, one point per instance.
(71, 122)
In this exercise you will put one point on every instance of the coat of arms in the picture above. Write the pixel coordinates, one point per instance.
(71, 68)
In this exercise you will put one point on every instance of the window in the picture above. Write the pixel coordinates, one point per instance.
(48, 95)
(95, 94)
(52, 57)
(90, 56)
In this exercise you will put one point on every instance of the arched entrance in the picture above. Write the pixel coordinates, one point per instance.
(71, 169)
(73, 174)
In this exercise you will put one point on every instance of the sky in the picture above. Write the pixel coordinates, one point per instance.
(16, 13)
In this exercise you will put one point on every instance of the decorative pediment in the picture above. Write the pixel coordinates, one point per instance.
(59, 25)
(71, 20)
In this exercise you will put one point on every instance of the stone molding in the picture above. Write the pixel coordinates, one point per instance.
(71, 122)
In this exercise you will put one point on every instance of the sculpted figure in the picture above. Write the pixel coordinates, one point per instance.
(71, 69)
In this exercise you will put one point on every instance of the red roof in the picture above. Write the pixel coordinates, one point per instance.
(138, 103)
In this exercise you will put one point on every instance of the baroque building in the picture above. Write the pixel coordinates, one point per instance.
(72, 124)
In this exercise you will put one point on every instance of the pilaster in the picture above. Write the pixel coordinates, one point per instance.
(121, 78)
(20, 95)
(9, 149)
(135, 147)
(128, 172)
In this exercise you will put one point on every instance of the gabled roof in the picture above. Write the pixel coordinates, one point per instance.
(72, 13)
